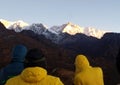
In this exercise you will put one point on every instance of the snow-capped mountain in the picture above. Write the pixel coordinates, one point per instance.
(19, 23)
(94, 32)
(69, 28)
(37, 28)
(6, 23)
(73, 29)
(16, 25)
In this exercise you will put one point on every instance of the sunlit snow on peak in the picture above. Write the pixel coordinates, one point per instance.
(14, 24)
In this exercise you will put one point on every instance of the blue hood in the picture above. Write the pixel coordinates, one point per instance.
(18, 53)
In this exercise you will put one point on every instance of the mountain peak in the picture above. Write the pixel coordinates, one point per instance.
(69, 23)
(2, 27)
(19, 23)
(72, 29)
(8, 24)
(5, 23)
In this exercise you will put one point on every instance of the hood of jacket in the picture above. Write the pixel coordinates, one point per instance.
(33, 74)
(81, 63)
(19, 52)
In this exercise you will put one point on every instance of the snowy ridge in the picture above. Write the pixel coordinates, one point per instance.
(6, 23)
(19, 23)
(94, 32)
(39, 28)
(73, 29)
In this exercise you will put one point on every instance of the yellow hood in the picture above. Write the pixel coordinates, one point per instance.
(81, 62)
(33, 74)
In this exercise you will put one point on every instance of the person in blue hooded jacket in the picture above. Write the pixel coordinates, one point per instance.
(16, 65)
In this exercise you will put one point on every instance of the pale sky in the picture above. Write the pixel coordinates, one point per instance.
(100, 14)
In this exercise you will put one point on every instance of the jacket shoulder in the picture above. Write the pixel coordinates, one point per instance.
(54, 79)
(97, 69)
(13, 81)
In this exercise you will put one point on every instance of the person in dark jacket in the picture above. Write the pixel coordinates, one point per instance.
(16, 65)
(35, 57)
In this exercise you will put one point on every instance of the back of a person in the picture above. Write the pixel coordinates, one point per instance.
(13, 69)
(34, 76)
(52, 80)
(86, 74)
(16, 65)
(90, 76)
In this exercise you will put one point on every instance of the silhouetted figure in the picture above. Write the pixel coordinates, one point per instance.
(118, 63)
(33, 74)
(16, 65)
(86, 74)
(35, 57)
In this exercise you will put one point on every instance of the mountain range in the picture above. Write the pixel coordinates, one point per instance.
(62, 43)
(69, 28)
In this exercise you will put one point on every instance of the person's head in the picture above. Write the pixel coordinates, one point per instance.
(19, 52)
(35, 57)
(81, 62)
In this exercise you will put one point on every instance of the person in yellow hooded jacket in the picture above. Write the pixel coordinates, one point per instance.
(86, 74)
(34, 72)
